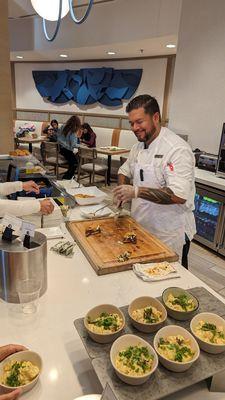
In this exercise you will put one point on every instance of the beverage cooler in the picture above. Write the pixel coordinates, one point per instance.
(210, 217)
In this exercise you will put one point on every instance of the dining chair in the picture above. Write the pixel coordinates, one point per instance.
(52, 157)
(88, 163)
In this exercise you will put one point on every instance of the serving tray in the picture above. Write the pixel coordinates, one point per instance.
(163, 382)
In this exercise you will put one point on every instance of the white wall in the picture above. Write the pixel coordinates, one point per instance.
(198, 96)
(27, 96)
(108, 23)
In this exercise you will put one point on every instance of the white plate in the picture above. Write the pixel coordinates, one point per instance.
(87, 212)
(99, 196)
(52, 233)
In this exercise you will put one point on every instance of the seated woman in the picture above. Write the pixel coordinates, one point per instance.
(88, 136)
(69, 143)
(53, 125)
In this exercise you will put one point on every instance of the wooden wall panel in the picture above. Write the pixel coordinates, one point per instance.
(6, 127)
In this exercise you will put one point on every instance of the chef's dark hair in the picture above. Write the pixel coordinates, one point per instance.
(149, 103)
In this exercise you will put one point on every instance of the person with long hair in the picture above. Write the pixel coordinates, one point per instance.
(88, 136)
(68, 140)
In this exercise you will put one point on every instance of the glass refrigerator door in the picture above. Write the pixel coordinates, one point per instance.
(207, 216)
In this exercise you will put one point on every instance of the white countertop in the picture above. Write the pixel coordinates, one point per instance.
(209, 178)
(74, 288)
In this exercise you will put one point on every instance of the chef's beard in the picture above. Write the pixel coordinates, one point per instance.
(148, 136)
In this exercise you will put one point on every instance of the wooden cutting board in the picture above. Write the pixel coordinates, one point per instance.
(103, 249)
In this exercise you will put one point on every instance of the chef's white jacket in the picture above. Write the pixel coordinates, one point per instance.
(174, 165)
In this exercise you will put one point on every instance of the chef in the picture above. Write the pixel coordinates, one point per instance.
(161, 168)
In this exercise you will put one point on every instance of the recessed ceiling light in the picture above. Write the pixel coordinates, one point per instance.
(111, 53)
(171, 46)
(63, 55)
(19, 57)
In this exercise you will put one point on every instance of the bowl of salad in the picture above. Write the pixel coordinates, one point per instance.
(209, 331)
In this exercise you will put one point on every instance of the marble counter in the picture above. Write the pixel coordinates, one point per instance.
(74, 288)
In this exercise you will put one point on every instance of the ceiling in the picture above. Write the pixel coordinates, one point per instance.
(22, 10)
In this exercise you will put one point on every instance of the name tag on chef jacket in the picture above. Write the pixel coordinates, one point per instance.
(108, 393)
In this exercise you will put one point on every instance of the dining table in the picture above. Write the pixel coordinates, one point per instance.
(30, 141)
(111, 151)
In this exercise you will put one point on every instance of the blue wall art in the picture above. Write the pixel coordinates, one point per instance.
(107, 86)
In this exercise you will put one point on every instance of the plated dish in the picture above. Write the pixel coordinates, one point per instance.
(133, 359)
(147, 314)
(104, 323)
(209, 331)
(18, 373)
(180, 303)
(20, 370)
(176, 347)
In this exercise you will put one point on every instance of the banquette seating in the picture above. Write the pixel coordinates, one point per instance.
(104, 137)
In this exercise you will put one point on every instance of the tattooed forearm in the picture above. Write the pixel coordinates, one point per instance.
(159, 196)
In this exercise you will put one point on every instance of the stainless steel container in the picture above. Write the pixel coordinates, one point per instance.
(17, 262)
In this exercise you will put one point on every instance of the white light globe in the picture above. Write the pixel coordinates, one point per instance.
(49, 9)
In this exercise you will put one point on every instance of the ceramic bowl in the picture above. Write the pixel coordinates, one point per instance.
(95, 312)
(212, 348)
(122, 343)
(179, 315)
(26, 355)
(142, 302)
(173, 330)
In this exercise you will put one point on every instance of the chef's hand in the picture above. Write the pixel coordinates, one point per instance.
(11, 396)
(31, 186)
(46, 207)
(124, 193)
(9, 349)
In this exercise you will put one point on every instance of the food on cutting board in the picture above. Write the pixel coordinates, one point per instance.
(134, 361)
(84, 196)
(19, 153)
(105, 323)
(176, 348)
(180, 303)
(124, 256)
(147, 315)
(92, 230)
(160, 269)
(130, 237)
(19, 373)
(210, 333)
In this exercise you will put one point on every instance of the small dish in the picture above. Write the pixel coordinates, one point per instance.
(210, 318)
(96, 195)
(92, 212)
(174, 330)
(123, 343)
(142, 302)
(179, 315)
(106, 337)
(26, 355)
